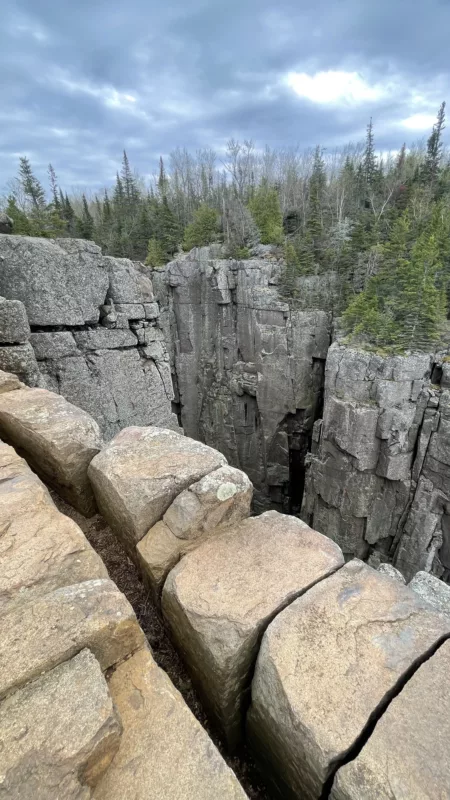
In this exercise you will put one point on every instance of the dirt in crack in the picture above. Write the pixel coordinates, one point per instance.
(126, 576)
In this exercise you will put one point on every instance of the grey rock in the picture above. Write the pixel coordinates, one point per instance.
(103, 339)
(53, 345)
(61, 282)
(431, 589)
(14, 327)
(131, 310)
(151, 310)
(392, 572)
(6, 223)
(20, 360)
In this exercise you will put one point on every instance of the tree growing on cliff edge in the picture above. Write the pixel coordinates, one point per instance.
(266, 211)
(203, 230)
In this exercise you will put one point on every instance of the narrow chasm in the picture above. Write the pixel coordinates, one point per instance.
(126, 576)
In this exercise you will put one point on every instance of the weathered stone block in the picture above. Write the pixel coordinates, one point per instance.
(59, 734)
(151, 310)
(20, 360)
(39, 635)
(164, 753)
(53, 345)
(124, 281)
(9, 382)
(58, 439)
(432, 590)
(219, 598)
(131, 310)
(103, 339)
(138, 475)
(407, 753)
(14, 327)
(329, 662)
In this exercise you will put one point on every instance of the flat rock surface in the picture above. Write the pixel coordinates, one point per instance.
(58, 734)
(164, 753)
(57, 438)
(407, 755)
(327, 663)
(9, 382)
(138, 475)
(41, 634)
(220, 597)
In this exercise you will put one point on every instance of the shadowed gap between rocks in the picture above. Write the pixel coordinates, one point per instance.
(126, 576)
(377, 714)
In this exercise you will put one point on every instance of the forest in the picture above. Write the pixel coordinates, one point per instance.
(373, 229)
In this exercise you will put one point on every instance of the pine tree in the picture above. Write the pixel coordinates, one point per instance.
(369, 159)
(85, 224)
(22, 226)
(55, 191)
(265, 209)
(155, 254)
(434, 149)
(203, 230)
(31, 187)
(163, 183)
(314, 224)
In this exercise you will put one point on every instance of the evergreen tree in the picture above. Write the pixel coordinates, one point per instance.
(22, 225)
(85, 225)
(369, 159)
(203, 230)
(155, 254)
(317, 185)
(31, 187)
(434, 149)
(265, 209)
(55, 191)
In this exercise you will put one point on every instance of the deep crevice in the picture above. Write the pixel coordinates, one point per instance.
(377, 714)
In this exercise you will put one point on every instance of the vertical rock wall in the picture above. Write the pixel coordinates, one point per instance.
(378, 481)
(248, 370)
(85, 326)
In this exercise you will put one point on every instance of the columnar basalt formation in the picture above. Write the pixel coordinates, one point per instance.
(347, 657)
(248, 368)
(85, 326)
(379, 476)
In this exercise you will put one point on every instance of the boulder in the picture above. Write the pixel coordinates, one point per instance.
(222, 497)
(164, 753)
(39, 635)
(392, 572)
(20, 360)
(9, 382)
(218, 600)
(6, 223)
(58, 439)
(431, 589)
(138, 475)
(60, 282)
(14, 327)
(158, 552)
(328, 665)
(59, 734)
(406, 755)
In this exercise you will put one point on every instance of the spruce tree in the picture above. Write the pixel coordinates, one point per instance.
(85, 224)
(434, 149)
(203, 230)
(265, 209)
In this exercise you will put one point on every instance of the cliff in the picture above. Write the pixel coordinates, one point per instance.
(85, 326)
(248, 370)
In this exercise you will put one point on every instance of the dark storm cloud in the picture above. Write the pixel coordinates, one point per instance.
(80, 81)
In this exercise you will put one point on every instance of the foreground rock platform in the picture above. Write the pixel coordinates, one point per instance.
(58, 439)
(407, 754)
(164, 753)
(58, 734)
(39, 635)
(327, 664)
(219, 598)
(140, 472)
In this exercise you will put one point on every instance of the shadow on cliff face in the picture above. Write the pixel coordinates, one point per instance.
(126, 576)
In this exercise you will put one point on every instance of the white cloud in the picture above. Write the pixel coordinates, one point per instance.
(336, 87)
(419, 122)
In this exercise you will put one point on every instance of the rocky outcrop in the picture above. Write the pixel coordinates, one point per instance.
(248, 368)
(379, 475)
(85, 326)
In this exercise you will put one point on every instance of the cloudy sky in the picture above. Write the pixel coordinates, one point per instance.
(82, 79)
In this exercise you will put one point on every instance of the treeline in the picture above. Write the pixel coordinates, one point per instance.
(375, 230)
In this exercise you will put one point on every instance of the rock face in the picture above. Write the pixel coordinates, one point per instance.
(95, 336)
(6, 223)
(164, 753)
(138, 475)
(407, 754)
(58, 438)
(379, 475)
(220, 597)
(328, 663)
(431, 589)
(59, 734)
(258, 366)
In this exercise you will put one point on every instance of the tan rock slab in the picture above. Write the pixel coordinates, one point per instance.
(221, 498)
(39, 635)
(220, 597)
(138, 475)
(158, 552)
(58, 440)
(164, 753)
(58, 734)
(329, 662)
(9, 382)
(407, 755)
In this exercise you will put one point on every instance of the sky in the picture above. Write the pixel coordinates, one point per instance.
(84, 79)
